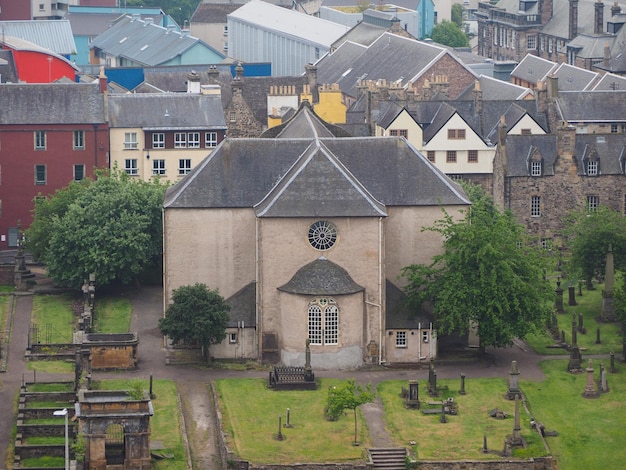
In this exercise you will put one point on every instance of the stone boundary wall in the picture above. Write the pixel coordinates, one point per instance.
(540, 463)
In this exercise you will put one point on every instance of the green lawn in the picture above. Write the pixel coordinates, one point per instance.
(5, 304)
(52, 367)
(590, 305)
(165, 425)
(113, 315)
(591, 431)
(45, 462)
(53, 316)
(250, 413)
(461, 437)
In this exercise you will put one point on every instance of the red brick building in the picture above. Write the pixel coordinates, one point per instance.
(50, 135)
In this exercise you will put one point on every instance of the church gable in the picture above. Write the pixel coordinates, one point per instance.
(319, 185)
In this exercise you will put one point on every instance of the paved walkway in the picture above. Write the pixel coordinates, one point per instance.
(193, 383)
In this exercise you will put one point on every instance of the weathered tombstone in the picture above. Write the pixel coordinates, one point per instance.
(574, 365)
(581, 327)
(308, 371)
(612, 356)
(558, 296)
(572, 296)
(574, 330)
(598, 341)
(516, 440)
(288, 422)
(608, 311)
(603, 382)
(484, 450)
(590, 387)
(462, 391)
(580, 288)
(432, 378)
(514, 390)
(413, 397)
(280, 436)
(443, 418)
(562, 336)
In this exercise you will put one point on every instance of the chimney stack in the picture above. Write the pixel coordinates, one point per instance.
(478, 98)
(102, 80)
(193, 82)
(599, 17)
(573, 19)
(615, 9)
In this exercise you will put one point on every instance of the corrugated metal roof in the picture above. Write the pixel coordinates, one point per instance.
(55, 35)
(144, 42)
(289, 22)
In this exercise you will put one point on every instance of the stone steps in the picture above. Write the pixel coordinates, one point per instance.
(386, 458)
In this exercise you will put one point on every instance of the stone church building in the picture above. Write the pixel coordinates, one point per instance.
(305, 232)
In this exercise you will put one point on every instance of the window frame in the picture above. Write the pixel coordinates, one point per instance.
(193, 140)
(210, 139)
(535, 206)
(401, 339)
(536, 168)
(592, 167)
(184, 166)
(593, 203)
(129, 143)
(451, 156)
(131, 166)
(40, 140)
(43, 180)
(472, 156)
(78, 140)
(456, 134)
(430, 156)
(180, 140)
(323, 322)
(158, 140)
(75, 172)
(158, 167)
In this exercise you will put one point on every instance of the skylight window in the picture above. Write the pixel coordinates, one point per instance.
(123, 39)
(346, 72)
(144, 47)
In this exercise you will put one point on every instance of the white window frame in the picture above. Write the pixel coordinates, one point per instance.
(535, 206)
(193, 140)
(232, 338)
(44, 180)
(184, 166)
(158, 167)
(131, 166)
(323, 322)
(531, 41)
(40, 140)
(535, 168)
(210, 139)
(400, 339)
(158, 140)
(593, 202)
(592, 167)
(130, 141)
(180, 140)
(79, 140)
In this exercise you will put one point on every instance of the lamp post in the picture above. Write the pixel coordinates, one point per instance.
(65, 413)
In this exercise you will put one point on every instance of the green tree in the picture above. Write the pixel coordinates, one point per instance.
(487, 276)
(197, 316)
(456, 15)
(348, 396)
(449, 34)
(588, 235)
(111, 227)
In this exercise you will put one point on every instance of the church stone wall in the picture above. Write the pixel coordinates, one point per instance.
(215, 247)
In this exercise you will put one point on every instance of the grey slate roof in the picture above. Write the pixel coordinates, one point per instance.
(398, 315)
(592, 106)
(321, 277)
(145, 43)
(305, 124)
(610, 149)
(494, 89)
(242, 306)
(55, 103)
(55, 35)
(166, 111)
(533, 69)
(391, 57)
(610, 81)
(241, 172)
(7, 67)
(92, 24)
(573, 78)
(519, 149)
(207, 13)
(591, 46)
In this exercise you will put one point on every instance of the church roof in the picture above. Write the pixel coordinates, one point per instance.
(242, 306)
(321, 277)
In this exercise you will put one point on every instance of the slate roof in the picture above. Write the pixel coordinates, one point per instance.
(166, 111)
(610, 149)
(573, 78)
(363, 33)
(144, 42)
(92, 24)
(591, 46)
(494, 89)
(519, 149)
(321, 277)
(592, 106)
(391, 57)
(533, 69)
(305, 124)
(242, 306)
(54, 103)
(512, 116)
(7, 67)
(54, 35)
(209, 13)
(610, 81)
(443, 115)
(398, 315)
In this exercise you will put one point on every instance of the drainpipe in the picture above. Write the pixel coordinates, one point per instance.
(258, 291)
(419, 342)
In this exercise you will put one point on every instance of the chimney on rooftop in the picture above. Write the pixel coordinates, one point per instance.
(573, 19)
(599, 17)
(193, 82)
(615, 9)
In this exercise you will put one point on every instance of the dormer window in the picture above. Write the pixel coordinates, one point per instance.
(535, 168)
(592, 167)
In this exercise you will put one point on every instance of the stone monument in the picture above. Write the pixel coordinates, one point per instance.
(514, 390)
(590, 387)
(608, 311)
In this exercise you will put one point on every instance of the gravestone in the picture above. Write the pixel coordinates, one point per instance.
(598, 340)
(581, 327)
(604, 387)
(514, 390)
(558, 296)
(590, 387)
(516, 439)
(413, 395)
(608, 311)
(574, 364)
(432, 378)
(462, 391)
(572, 296)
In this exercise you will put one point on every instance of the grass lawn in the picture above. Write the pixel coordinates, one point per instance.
(51, 387)
(54, 317)
(5, 303)
(164, 425)
(590, 305)
(113, 315)
(463, 433)
(52, 367)
(250, 413)
(45, 462)
(591, 431)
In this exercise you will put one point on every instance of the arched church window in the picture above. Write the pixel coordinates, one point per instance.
(323, 321)
(322, 235)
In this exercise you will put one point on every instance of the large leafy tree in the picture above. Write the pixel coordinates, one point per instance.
(587, 237)
(456, 14)
(111, 227)
(487, 276)
(348, 396)
(449, 34)
(197, 316)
